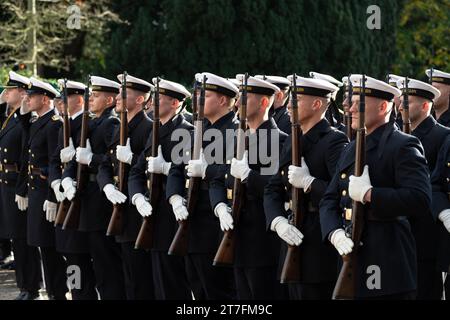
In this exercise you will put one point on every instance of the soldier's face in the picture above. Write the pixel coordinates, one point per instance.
(34, 101)
(417, 109)
(212, 103)
(97, 101)
(74, 103)
(59, 105)
(373, 115)
(166, 105)
(304, 108)
(14, 96)
(443, 100)
(254, 106)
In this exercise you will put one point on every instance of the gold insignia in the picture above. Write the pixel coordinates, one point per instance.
(348, 214)
(56, 118)
(230, 194)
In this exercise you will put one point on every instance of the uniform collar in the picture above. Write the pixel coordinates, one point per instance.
(424, 127)
(317, 131)
(222, 121)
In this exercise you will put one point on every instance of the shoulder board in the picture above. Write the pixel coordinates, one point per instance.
(92, 115)
(56, 118)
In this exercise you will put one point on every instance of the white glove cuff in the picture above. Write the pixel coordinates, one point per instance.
(67, 182)
(308, 184)
(175, 199)
(363, 193)
(109, 188)
(55, 183)
(276, 221)
(444, 215)
(166, 168)
(334, 235)
(217, 207)
(135, 197)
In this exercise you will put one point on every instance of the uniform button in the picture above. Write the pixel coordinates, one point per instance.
(226, 176)
(228, 161)
(5, 160)
(6, 150)
(0, 180)
(28, 184)
(112, 151)
(6, 182)
(32, 188)
(282, 172)
(344, 193)
(187, 153)
(448, 180)
(343, 176)
(29, 150)
(148, 158)
(32, 155)
(6, 171)
(31, 177)
(448, 164)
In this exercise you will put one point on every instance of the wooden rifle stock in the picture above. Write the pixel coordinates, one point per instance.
(406, 119)
(291, 268)
(72, 219)
(144, 239)
(65, 204)
(225, 253)
(115, 226)
(347, 280)
(180, 242)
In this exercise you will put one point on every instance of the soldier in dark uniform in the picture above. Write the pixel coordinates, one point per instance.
(321, 147)
(441, 81)
(137, 264)
(95, 208)
(396, 115)
(204, 233)
(278, 110)
(257, 251)
(13, 221)
(41, 144)
(425, 230)
(440, 180)
(394, 185)
(169, 275)
(73, 244)
(333, 114)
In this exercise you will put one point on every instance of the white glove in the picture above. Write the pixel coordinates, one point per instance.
(50, 210)
(55, 186)
(66, 154)
(358, 186)
(142, 205)
(223, 212)
(22, 202)
(342, 243)
(197, 168)
(299, 177)
(239, 168)
(69, 187)
(84, 155)
(158, 165)
(114, 196)
(123, 153)
(179, 207)
(286, 231)
(444, 216)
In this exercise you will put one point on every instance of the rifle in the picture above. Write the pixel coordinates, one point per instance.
(225, 252)
(291, 267)
(144, 239)
(115, 226)
(406, 119)
(348, 116)
(65, 204)
(180, 242)
(73, 215)
(346, 283)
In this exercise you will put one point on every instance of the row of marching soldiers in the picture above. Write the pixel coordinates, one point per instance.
(405, 245)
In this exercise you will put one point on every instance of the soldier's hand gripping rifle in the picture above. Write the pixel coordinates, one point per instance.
(73, 215)
(225, 252)
(291, 267)
(406, 119)
(115, 226)
(144, 239)
(65, 204)
(179, 245)
(346, 283)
